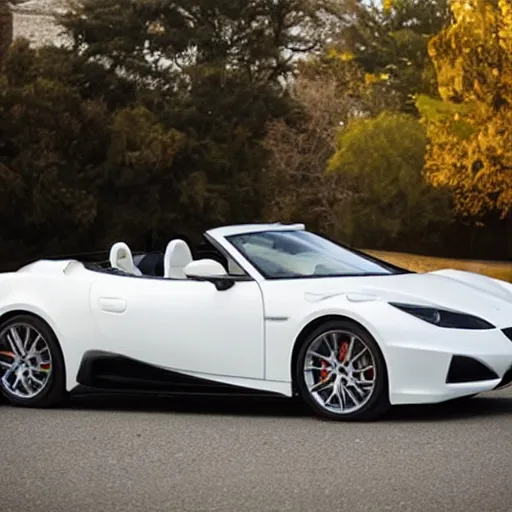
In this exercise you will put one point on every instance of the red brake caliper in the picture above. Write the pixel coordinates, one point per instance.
(324, 373)
(343, 351)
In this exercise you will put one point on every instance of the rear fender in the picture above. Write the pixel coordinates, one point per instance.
(63, 303)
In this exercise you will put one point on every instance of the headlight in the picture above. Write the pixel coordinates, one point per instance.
(443, 317)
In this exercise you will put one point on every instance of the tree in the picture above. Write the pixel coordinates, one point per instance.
(297, 186)
(389, 41)
(470, 147)
(83, 174)
(6, 28)
(382, 159)
(330, 90)
(256, 38)
(213, 71)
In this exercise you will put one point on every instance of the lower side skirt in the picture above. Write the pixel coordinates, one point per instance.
(102, 371)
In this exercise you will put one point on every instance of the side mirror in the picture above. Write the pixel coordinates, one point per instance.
(211, 271)
(205, 268)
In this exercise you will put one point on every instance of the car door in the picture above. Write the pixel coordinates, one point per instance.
(182, 324)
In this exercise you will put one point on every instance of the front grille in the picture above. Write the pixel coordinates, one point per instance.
(467, 369)
(508, 332)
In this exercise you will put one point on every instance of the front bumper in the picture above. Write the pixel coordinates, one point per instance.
(467, 369)
(437, 365)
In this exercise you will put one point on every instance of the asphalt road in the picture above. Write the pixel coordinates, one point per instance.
(166, 455)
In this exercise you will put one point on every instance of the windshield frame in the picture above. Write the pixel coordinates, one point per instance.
(388, 268)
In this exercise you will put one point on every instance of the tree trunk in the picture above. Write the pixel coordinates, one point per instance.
(508, 236)
(6, 28)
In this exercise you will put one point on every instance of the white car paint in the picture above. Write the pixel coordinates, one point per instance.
(246, 335)
(188, 323)
(417, 353)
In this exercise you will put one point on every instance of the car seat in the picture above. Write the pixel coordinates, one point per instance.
(177, 256)
(121, 258)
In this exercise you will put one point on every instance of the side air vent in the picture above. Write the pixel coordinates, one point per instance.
(467, 369)
(508, 333)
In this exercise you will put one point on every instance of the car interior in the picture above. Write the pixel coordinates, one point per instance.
(172, 263)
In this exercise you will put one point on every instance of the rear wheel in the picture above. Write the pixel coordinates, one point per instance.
(32, 370)
(341, 373)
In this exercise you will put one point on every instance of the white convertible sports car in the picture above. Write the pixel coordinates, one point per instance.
(268, 308)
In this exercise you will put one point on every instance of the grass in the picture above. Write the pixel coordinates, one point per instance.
(417, 263)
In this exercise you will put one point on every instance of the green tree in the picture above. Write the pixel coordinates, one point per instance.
(382, 159)
(213, 71)
(390, 43)
(254, 38)
(330, 90)
(82, 173)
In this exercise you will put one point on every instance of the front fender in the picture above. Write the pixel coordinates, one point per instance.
(282, 333)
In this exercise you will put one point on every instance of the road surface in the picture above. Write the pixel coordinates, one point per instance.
(137, 454)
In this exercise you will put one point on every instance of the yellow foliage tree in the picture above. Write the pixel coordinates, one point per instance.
(470, 140)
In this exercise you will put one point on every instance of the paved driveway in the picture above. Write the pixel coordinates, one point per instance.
(120, 454)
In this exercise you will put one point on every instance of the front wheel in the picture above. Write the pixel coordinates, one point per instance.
(341, 373)
(31, 363)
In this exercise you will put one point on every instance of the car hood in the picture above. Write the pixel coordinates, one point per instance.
(451, 289)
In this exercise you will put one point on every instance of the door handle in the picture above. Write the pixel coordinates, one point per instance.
(112, 304)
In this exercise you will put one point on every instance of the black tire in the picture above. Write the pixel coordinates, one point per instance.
(54, 392)
(376, 406)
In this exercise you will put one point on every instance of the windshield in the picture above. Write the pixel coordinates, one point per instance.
(293, 254)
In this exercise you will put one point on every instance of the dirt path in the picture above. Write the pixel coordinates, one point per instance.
(497, 269)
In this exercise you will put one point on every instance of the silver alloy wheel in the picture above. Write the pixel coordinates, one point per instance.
(25, 361)
(340, 371)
